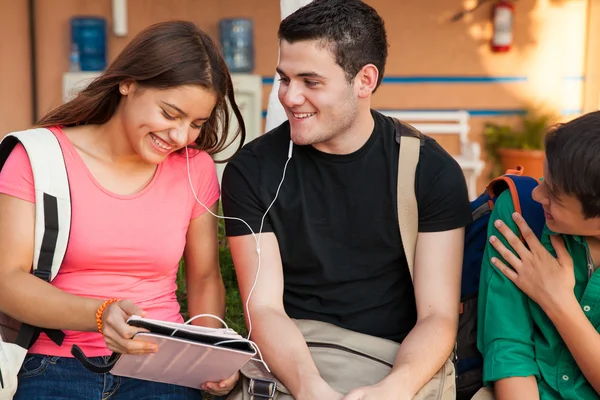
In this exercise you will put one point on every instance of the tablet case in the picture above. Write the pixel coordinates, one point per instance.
(188, 355)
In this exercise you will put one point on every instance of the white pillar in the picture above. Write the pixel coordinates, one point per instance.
(275, 113)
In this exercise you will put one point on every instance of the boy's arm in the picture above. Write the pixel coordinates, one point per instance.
(580, 336)
(505, 326)
(429, 344)
(279, 339)
(516, 388)
(437, 290)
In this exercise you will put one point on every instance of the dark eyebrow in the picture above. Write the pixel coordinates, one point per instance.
(180, 111)
(311, 75)
(174, 107)
(308, 74)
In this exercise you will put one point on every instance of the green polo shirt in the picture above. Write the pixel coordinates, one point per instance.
(515, 336)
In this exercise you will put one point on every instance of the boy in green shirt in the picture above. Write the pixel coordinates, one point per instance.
(539, 303)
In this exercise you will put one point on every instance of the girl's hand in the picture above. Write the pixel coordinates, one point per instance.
(118, 333)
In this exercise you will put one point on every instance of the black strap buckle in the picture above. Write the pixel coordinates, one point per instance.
(42, 274)
(262, 388)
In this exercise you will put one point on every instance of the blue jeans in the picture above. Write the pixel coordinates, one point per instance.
(62, 378)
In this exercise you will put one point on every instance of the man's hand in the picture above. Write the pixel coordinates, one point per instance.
(223, 387)
(376, 392)
(318, 389)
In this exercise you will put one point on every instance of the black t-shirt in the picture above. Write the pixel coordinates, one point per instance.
(336, 222)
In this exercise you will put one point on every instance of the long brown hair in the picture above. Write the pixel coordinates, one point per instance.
(164, 55)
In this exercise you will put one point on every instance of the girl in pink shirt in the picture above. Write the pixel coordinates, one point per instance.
(134, 215)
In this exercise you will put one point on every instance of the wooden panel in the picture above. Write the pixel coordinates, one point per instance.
(591, 100)
(549, 46)
(15, 80)
(54, 40)
(54, 30)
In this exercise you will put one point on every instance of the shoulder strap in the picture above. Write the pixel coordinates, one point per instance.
(53, 199)
(52, 211)
(408, 214)
(520, 188)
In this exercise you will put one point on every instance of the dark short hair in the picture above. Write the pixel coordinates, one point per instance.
(164, 55)
(573, 156)
(353, 31)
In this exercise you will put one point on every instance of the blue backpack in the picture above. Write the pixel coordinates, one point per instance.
(468, 359)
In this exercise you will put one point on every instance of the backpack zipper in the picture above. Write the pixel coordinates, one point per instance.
(338, 347)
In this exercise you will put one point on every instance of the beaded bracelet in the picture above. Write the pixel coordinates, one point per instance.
(101, 311)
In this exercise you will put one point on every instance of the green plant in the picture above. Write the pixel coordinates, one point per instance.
(534, 124)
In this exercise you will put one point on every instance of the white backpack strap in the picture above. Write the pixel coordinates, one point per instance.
(408, 212)
(52, 197)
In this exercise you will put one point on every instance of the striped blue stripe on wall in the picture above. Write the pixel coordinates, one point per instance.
(407, 80)
(483, 112)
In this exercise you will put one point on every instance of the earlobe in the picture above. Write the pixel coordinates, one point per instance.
(125, 87)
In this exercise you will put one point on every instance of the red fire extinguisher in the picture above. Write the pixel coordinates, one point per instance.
(502, 17)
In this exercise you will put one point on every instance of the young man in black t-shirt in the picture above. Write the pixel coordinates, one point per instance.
(331, 248)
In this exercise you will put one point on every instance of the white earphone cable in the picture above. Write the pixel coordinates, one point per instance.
(256, 239)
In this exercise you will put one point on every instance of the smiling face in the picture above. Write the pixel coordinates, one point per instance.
(160, 122)
(320, 103)
(564, 213)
